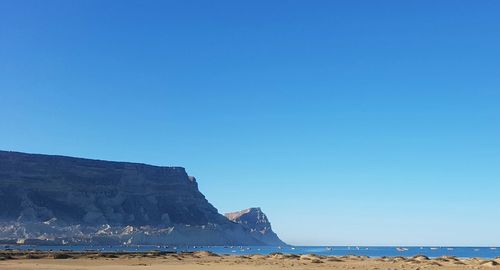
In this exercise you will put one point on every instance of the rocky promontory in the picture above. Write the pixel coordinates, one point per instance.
(47, 199)
(256, 222)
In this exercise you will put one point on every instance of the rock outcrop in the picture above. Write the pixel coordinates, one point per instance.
(256, 222)
(48, 199)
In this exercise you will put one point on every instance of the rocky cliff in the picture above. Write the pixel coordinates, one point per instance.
(55, 199)
(256, 222)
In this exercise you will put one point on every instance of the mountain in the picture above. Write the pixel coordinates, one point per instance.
(47, 199)
(256, 222)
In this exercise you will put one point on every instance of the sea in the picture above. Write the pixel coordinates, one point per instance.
(371, 251)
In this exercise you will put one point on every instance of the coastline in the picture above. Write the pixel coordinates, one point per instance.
(54, 260)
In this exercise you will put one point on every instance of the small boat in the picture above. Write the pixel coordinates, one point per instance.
(401, 249)
(493, 248)
(434, 248)
(329, 248)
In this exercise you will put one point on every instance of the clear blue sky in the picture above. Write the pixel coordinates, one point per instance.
(348, 122)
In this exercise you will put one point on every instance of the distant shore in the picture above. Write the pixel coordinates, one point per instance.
(55, 260)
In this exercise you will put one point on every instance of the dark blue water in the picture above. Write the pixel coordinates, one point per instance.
(462, 252)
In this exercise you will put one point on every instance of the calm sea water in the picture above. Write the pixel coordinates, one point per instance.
(463, 252)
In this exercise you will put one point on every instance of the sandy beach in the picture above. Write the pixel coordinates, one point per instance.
(207, 260)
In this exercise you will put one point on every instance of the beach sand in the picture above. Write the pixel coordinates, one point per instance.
(206, 260)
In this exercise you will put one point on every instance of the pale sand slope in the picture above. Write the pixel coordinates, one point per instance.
(206, 260)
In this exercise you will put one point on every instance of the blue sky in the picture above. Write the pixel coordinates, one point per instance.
(348, 122)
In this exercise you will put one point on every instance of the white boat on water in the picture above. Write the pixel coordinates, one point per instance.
(401, 249)
(434, 248)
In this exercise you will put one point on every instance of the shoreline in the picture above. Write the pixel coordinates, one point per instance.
(370, 251)
(14, 259)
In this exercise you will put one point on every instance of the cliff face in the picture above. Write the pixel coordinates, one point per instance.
(256, 222)
(55, 199)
